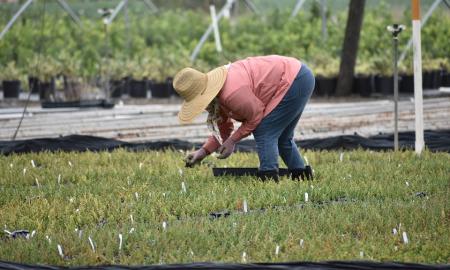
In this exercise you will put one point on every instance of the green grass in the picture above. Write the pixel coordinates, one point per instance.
(97, 194)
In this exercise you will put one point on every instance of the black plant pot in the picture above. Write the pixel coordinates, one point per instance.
(126, 86)
(47, 90)
(431, 79)
(117, 87)
(325, 86)
(406, 83)
(138, 89)
(445, 79)
(11, 89)
(363, 85)
(384, 84)
(33, 84)
(172, 91)
(160, 90)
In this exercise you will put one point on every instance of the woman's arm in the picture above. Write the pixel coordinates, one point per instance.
(225, 128)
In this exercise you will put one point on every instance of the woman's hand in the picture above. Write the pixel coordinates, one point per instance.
(226, 149)
(195, 157)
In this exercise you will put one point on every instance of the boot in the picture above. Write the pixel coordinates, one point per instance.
(268, 175)
(301, 174)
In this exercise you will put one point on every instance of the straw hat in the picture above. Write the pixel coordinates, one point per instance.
(197, 89)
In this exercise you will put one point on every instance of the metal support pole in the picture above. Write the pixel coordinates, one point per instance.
(116, 11)
(251, 6)
(15, 17)
(72, 14)
(424, 21)
(395, 30)
(215, 24)
(396, 93)
(209, 30)
(297, 8)
(324, 19)
(151, 5)
(127, 28)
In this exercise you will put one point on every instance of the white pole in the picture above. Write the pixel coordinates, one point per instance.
(297, 7)
(212, 10)
(418, 97)
(15, 17)
(209, 30)
(116, 11)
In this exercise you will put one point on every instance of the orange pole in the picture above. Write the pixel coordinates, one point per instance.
(415, 5)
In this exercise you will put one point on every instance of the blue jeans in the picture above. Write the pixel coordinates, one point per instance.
(275, 134)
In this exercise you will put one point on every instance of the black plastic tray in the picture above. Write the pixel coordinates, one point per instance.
(78, 104)
(243, 171)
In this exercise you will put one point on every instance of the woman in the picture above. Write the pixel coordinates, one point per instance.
(266, 93)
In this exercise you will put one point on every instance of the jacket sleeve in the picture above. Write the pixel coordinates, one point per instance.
(225, 128)
(249, 108)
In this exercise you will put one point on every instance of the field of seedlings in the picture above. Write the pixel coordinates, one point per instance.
(125, 207)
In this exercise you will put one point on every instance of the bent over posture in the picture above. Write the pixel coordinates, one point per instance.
(267, 94)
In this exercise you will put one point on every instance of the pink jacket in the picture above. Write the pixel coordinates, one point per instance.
(253, 88)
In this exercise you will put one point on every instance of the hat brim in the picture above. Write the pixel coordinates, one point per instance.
(190, 110)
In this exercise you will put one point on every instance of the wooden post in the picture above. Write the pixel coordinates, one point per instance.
(418, 96)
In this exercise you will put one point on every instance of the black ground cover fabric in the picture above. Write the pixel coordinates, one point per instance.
(269, 266)
(436, 140)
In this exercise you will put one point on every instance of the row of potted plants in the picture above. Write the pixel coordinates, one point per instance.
(375, 75)
(136, 78)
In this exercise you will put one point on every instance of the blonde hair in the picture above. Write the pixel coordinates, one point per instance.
(214, 117)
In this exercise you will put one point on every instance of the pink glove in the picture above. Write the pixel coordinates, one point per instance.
(226, 149)
(195, 157)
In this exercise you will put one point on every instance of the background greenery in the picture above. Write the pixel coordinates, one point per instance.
(157, 45)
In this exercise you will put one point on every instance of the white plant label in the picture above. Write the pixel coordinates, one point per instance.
(180, 171)
(306, 197)
(183, 187)
(245, 206)
(394, 231)
(91, 243)
(10, 165)
(80, 233)
(140, 165)
(341, 157)
(136, 195)
(59, 179)
(32, 164)
(244, 257)
(405, 238)
(277, 250)
(361, 254)
(60, 251)
(33, 233)
(70, 164)
(48, 239)
(37, 183)
(164, 225)
(24, 171)
(120, 241)
(131, 231)
(302, 243)
(131, 218)
(407, 183)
